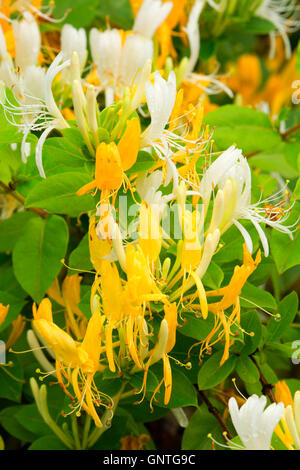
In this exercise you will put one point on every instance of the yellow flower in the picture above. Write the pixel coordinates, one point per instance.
(77, 362)
(3, 312)
(150, 236)
(286, 430)
(113, 160)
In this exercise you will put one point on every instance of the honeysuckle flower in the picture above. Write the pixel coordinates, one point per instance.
(292, 418)
(73, 39)
(69, 297)
(208, 83)
(232, 175)
(3, 312)
(113, 160)
(150, 16)
(35, 6)
(27, 41)
(193, 33)
(147, 186)
(76, 362)
(283, 394)
(160, 100)
(37, 113)
(280, 13)
(118, 65)
(253, 423)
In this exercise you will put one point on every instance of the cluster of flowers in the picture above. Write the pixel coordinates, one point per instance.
(139, 291)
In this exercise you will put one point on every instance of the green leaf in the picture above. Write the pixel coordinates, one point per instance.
(247, 370)
(118, 11)
(249, 129)
(12, 426)
(287, 309)
(258, 25)
(251, 323)
(254, 296)
(197, 328)
(80, 257)
(50, 442)
(213, 277)
(15, 306)
(64, 151)
(144, 162)
(57, 194)
(29, 417)
(38, 253)
(212, 374)
(12, 228)
(275, 158)
(11, 379)
(201, 424)
(81, 13)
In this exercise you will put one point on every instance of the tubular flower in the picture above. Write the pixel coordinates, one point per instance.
(27, 41)
(70, 298)
(280, 13)
(123, 305)
(151, 14)
(73, 39)
(38, 111)
(283, 394)
(75, 362)
(231, 174)
(113, 160)
(119, 62)
(230, 299)
(3, 312)
(291, 420)
(255, 424)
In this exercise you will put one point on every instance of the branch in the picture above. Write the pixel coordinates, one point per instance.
(213, 410)
(10, 190)
(290, 131)
(267, 387)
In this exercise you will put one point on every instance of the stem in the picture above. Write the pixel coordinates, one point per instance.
(86, 430)
(213, 410)
(267, 387)
(10, 190)
(75, 432)
(290, 131)
(106, 419)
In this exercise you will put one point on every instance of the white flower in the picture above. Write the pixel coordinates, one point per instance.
(118, 65)
(37, 108)
(193, 33)
(255, 424)
(232, 174)
(292, 417)
(160, 100)
(150, 16)
(147, 187)
(137, 51)
(279, 12)
(106, 49)
(27, 40)
(73, 40)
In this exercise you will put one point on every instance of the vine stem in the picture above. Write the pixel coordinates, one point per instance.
(290, 131)
(106, 419)
(267, 387)
(213, 410)
(10, 190)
